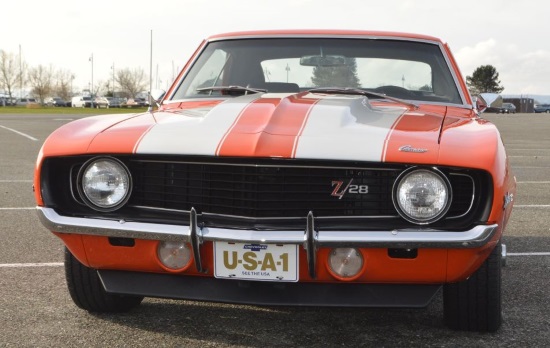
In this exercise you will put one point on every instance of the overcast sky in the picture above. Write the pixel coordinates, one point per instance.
(510, 35)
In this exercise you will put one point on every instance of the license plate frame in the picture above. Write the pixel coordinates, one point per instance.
(256, 261)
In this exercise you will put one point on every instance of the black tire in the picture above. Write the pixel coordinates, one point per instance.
(88, 293)
(475, 304)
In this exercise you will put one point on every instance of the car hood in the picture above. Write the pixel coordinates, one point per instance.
(304, 125)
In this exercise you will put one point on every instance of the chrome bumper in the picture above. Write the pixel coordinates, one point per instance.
(406, 238)
(309, 238)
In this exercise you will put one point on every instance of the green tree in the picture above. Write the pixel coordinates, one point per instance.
(336, 76)
(484, 80)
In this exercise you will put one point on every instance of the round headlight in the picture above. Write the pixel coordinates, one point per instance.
(422, 196)
(105, 183)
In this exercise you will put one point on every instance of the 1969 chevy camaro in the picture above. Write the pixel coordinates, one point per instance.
(308, 168)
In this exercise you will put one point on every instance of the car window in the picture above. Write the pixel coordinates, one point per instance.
(403, 69)
(210, 74)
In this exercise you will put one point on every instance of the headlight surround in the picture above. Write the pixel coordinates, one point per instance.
(105, 183)
(422, 196)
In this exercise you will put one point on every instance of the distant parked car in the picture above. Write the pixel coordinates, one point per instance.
(508, 108)
(542, 108)
(101, 102)
(26, 101)
(81, 102)
(55, 101)
(135, 103)
(114, 102)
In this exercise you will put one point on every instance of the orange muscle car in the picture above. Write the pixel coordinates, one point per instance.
(307, 167)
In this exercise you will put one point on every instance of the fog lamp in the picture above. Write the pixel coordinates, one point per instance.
(174, 255)
(345, 263)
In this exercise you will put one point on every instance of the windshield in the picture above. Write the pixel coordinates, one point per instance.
(401, 69)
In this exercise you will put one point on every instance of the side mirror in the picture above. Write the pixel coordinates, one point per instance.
(157, 95)
(480, 104)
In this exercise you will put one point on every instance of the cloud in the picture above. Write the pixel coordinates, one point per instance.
(519, 72)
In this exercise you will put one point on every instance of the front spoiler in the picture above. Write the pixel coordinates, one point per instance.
(267, 293)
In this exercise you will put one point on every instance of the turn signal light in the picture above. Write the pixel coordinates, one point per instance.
(345, 263)
(175, 256)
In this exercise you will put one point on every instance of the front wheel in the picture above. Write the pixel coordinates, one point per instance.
(88, 293)
(475, 304)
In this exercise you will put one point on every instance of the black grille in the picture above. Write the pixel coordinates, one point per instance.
(263, 191)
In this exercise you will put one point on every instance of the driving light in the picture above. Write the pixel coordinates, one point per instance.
(174, 255)
(105, 184)
(422, 196)
(345, 263)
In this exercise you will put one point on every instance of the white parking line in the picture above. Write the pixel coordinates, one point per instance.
(16, 181)
(20, 133)
(531, 205)
(23, 265)
(529, 254)
(18, 208)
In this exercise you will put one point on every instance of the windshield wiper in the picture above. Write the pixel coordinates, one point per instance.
(357, 91)
(231, 89)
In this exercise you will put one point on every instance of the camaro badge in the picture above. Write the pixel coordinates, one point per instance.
(409, 148)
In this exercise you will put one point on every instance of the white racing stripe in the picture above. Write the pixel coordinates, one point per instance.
(196, 135)
(335, 131)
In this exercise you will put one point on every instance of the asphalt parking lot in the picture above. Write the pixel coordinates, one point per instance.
(36, 310)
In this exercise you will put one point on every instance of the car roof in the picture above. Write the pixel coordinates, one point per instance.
(323, 33)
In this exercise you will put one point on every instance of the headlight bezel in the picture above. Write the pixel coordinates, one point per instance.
(89, 201)
(408, 173)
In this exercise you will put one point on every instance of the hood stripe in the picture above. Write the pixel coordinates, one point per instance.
(193, 135)
(347, 129)
(269, 127)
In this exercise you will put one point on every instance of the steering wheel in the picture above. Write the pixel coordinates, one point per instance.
(394, 91)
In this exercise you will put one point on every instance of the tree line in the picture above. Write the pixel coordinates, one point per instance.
(47, 81)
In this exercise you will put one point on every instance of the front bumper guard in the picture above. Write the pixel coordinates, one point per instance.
(310, 238)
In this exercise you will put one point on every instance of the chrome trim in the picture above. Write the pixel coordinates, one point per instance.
(279, 165)
(405, 238)
(195, 235)
(310, 244)
(241, 217)
(395, 198)
(473, 196)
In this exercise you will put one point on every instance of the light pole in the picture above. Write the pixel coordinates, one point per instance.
(287, 71)
(72, 80)
(92, 83)
(113, 68)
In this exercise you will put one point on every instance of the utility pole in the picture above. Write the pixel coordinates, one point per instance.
(92, 83)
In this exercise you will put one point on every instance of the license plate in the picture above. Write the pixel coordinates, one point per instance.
(263, 262)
